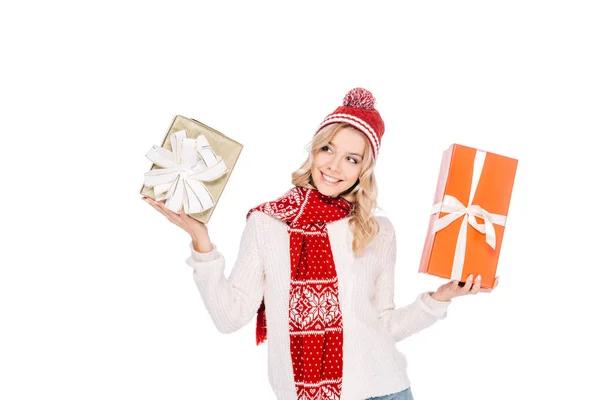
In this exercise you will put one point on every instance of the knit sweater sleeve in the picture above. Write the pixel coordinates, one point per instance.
(404, 321)
(231, 301)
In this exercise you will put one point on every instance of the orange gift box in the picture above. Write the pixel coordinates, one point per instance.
(469, 215)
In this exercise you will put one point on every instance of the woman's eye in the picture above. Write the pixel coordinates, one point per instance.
(352, 160)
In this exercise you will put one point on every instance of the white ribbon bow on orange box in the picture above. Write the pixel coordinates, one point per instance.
(456, 209)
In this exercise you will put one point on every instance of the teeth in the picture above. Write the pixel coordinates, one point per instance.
(329, 179)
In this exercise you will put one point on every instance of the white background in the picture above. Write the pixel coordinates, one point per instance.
(96, 301)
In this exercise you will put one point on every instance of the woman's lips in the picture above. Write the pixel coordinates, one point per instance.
(328, 182)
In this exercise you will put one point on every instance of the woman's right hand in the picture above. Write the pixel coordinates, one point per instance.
(196, 229)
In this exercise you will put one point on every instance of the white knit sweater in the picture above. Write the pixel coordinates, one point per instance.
(372, 366)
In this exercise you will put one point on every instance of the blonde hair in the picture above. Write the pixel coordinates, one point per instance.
(362, 196)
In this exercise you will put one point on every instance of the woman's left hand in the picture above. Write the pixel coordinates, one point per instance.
(451, 289)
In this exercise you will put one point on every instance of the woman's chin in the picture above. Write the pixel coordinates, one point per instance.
(328, 190)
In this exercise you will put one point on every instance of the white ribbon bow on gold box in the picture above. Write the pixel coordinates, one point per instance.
(184, 169)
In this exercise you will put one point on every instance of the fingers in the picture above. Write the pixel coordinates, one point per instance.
(468, 284)
(452, 286)
(154, 205)
(185, 216)
(471, 286)
(476, 286)
(165, 209)
(455, 286)
(488, 290)
(160, 207)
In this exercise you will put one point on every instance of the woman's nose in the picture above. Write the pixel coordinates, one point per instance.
(335, 164)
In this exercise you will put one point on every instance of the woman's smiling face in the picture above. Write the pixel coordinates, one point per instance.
(336, 166)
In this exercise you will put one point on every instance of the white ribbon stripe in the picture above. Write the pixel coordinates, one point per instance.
(456, 209)
(180, 180)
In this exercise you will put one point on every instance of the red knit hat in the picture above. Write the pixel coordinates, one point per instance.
(359, 111)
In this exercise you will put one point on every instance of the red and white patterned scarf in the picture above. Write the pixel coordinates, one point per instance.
(315, 323)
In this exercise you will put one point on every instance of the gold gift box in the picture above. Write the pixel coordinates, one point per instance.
(225, 147)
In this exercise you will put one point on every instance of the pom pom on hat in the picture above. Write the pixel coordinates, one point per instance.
(359, 98)
(358, 110)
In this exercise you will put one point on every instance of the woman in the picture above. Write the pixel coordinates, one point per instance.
(319, 267)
